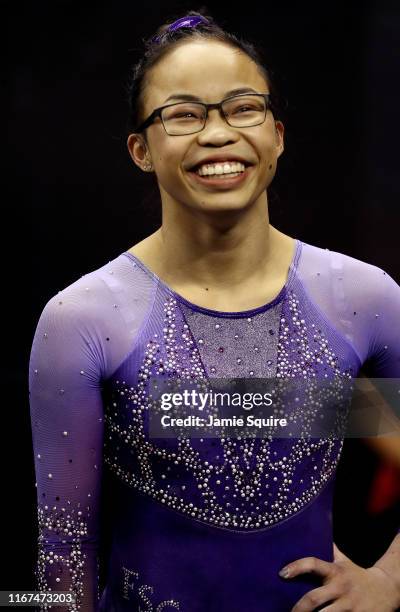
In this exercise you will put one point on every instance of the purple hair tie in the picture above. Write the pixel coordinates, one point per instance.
(183, 22)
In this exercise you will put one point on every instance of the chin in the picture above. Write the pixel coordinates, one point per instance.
(218, 203)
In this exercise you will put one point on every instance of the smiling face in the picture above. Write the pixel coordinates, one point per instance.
(208, 70)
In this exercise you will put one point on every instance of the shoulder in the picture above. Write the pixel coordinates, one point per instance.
(82, 298)
(110, 288)
(365, 279)
(99, 315)
(361, 300)
(73, 322)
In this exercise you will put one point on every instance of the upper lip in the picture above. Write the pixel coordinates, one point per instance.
(212, 159)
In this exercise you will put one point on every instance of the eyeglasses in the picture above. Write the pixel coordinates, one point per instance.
(182, 118)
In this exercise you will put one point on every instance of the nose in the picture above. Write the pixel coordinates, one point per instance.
(216, 130)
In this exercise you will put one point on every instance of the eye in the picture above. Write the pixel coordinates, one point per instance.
(243, 109)
(182, 115)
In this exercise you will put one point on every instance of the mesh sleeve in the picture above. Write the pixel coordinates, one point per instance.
(384, 345)
(362, 302)
(67, 432)
(384, 348)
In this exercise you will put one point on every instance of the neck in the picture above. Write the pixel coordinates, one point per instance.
(220, 249)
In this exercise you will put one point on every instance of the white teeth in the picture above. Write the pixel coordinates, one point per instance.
(221, 168)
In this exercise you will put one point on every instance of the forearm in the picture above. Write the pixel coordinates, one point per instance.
(390, 564)
(72, 570)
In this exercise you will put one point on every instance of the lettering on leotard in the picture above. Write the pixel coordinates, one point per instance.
(142, 594)
(144, 600)
(168, 604)
(127, 574)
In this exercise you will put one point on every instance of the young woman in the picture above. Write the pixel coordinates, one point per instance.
(204, 524)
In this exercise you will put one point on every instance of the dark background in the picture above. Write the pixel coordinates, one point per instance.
(74, 200)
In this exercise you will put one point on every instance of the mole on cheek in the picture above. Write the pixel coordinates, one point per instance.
(270, 166)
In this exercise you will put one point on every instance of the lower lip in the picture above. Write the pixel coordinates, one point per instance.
(222, 183)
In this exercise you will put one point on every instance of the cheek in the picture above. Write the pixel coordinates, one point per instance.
(263, 142)
(168, 163)
(169, 172)
(167, 167)
(166, 155)
(268, 158)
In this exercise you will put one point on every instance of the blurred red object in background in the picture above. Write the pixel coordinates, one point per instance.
(385, 489)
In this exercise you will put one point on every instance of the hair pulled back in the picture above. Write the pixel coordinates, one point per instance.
(157, 46)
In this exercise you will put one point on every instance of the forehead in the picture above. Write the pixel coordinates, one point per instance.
(206, 69)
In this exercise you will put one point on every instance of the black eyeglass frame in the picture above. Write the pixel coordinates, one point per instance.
(157, 112)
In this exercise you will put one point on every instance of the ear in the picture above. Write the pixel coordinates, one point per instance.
(138, 150)
(279, 133)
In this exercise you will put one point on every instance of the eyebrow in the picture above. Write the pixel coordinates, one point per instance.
(191, 98)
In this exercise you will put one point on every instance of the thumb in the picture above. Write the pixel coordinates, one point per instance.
(337, 554)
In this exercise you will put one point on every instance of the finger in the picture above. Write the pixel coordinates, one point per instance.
(337, 606)
(306, 565)
(337, 554)
(315, 598)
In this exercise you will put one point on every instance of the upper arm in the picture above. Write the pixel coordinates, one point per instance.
(383, 358)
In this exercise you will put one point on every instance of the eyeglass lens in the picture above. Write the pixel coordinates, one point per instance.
(189, 117)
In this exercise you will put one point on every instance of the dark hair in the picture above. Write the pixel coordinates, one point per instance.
(167, 40)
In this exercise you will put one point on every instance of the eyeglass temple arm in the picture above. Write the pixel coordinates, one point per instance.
(148, 121)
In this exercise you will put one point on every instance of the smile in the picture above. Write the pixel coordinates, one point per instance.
(219, 169)
(222, 180)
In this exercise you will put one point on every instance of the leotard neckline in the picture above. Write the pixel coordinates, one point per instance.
(222, 313)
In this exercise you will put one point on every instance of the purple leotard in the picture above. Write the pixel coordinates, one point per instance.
(198, 524)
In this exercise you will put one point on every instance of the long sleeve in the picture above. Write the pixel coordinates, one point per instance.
(362, 302)
(384, 347)
(381, 363)
(67, 431)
